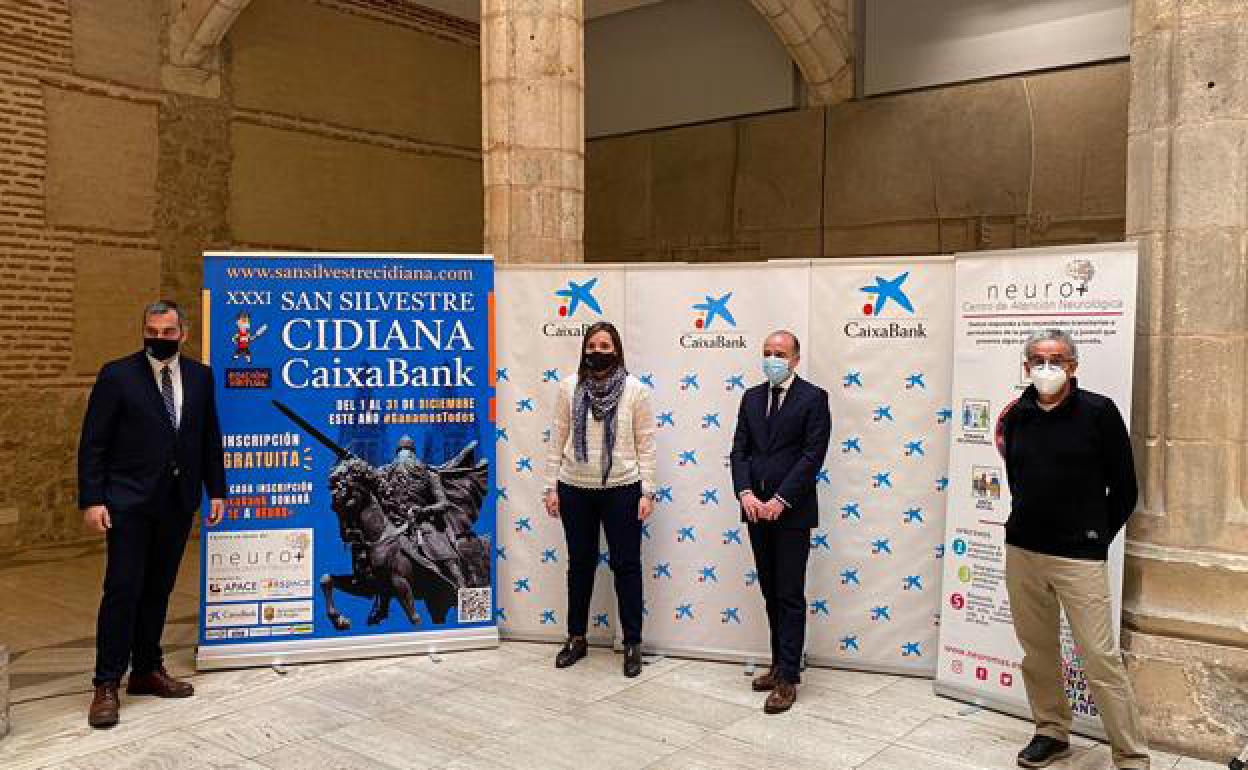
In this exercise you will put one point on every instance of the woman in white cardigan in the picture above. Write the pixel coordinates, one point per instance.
(600, 476)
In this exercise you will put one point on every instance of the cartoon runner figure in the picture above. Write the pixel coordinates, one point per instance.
(243, 337)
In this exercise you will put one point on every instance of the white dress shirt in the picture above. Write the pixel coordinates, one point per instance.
(175, 371)
(784, 393)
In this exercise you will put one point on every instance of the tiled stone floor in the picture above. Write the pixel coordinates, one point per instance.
(493, 708)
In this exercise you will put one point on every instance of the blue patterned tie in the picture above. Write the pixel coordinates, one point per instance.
(166, 390)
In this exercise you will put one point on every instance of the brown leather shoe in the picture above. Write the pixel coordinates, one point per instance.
(781, 699)
(105, 708)
(160, 684)
(765, 681)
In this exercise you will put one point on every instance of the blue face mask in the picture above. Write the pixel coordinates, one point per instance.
(776, 369)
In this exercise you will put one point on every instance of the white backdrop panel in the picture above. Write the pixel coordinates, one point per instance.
(695, 334)
(874, 582)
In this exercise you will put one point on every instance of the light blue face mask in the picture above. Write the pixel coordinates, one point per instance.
(776, 369)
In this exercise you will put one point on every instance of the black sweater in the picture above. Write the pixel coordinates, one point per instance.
(1071, 474)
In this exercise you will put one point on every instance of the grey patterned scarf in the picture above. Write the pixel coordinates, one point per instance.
(601, 398)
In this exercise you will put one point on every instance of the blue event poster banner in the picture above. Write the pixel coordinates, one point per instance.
(356, 400)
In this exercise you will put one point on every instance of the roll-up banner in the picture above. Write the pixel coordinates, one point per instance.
(542, 320)
(881, 345)
(1002, 297)
(355, 395)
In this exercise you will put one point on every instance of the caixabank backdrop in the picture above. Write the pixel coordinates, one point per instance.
(876, 334)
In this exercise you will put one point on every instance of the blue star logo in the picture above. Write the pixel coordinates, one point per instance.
(550, 375)
(549, 556)
(880, 546)
(715, 308)
(707, 574)
(822, 477)
(910, 649)
(942, 483)
(501, 492)
(690, 381)
(602, 621)
(710, 420)
(820, 540)
(663, 570)
(684, 611)
(913, 583)
(686, 535)
(735, 382)
(888, 290)
(524, 405)
(913, 516)
(548, 617)
(663, 494)
(915, 448)
(645, 531)
(524, 464)
(852, 444)
(850, 577)
(501, 552)
(688, 457)
(710, 497)
(881, 480)
(730, 615)
(819, 607)
(666, 418)
(883, 412)
(751, 577)
(939, 551)
(851, 511)
(646, 379)
(880, 613)
(916, 381)
(501, 434)
(732, 536)
(502, 376)
(849, 643)
(577, 294)
(852, 380)
(500, 614)
(521, 586)
(944, 415)
(524, 525)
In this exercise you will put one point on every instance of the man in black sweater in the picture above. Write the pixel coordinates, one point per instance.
(1072, 482)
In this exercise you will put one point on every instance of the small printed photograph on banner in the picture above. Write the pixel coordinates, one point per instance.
(475, 605)
(976, 415)
(986, 482)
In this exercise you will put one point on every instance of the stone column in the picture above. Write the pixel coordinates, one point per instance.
(1186, 598)
(532, 129)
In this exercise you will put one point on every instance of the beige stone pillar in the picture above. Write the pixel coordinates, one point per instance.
(1186, 599)
(532, 127)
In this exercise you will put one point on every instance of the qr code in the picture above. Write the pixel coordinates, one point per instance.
(475, 605)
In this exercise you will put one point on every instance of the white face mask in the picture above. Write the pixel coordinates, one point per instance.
(1048, 379)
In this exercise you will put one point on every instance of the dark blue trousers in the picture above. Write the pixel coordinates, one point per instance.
(780, 556)
(586, 512)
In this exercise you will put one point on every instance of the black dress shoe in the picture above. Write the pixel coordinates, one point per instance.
(573, 650)
(1043, 751)
(632, 660)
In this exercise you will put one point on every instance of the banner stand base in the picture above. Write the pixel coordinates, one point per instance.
(284, 653)
(1088, 728)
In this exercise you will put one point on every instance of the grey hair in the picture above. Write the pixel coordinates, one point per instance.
(1045, 335)
(797, 346)
(163, 306)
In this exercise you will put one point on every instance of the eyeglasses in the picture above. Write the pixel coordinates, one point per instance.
(1037, 361)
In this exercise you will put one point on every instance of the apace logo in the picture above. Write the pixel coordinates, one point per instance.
(887, 290)
(575, 295)
(710, 310)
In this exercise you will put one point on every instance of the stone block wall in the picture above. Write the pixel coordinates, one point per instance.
(1028, 161)
(340, 124)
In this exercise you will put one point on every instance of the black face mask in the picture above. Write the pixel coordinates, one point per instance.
(161, 349)
(598, 361)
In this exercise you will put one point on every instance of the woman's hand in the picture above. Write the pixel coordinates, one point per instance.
(552, 503)
(645, 507)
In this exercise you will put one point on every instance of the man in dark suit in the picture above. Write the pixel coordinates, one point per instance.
(150, 446)
(782, 434)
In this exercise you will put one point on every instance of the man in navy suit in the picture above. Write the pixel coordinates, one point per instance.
(150, 447)
(782, 434)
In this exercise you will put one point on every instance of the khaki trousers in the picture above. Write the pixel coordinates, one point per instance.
(1038, 585)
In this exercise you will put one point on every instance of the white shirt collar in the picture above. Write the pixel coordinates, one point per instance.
(157, 364)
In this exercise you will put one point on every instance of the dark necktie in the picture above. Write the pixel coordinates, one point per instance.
(166, 391)
(774, 405)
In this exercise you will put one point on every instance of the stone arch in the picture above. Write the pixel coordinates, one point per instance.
(199, 26)
(817, 36)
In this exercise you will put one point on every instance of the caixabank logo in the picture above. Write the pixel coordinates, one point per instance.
(576, 308)
(713, 325)
(887, 312)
